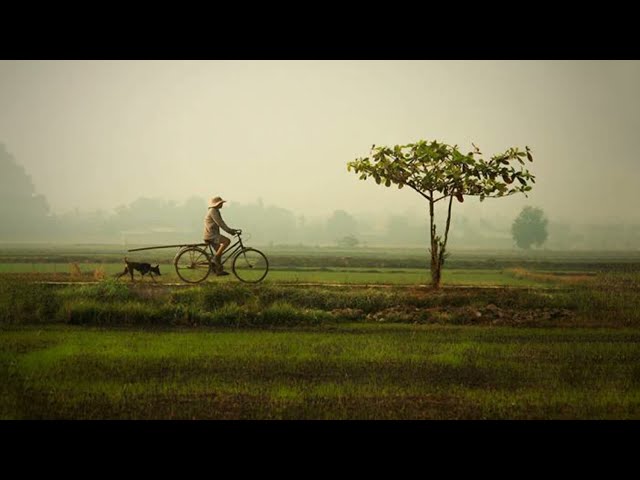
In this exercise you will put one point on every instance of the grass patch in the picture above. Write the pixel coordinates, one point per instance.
(608, 299)
(353, 371)
(566, 278)
(88, 272)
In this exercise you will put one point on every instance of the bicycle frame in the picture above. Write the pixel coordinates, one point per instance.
(231, 251)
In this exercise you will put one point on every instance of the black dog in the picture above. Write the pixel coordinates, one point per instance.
(143, 268)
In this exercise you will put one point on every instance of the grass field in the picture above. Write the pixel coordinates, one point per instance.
(522, 343)
(348, 372)
(352, 275)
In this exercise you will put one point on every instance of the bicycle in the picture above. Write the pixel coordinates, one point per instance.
(193, 263)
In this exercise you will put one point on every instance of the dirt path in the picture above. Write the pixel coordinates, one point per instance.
(335, 285)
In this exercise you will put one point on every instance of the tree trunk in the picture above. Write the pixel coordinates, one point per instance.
(435, 273)
(438, 247)
(435, 260)
(443, 245)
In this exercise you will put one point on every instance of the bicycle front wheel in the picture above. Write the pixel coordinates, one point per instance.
(192, 265)
(250, 265)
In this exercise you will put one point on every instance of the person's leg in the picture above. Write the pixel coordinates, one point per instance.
(223, 243)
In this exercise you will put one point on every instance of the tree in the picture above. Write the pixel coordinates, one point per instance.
(341, 223)
(22, 211)
(348, 242)
(530, 228)
(437, 171)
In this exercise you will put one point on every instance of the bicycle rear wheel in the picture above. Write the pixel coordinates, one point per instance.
(192, 265)
(250, 265)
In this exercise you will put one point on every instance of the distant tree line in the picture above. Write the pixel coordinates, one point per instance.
(25, 215)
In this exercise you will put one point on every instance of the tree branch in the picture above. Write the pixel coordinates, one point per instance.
(425, 196)
(446, 232)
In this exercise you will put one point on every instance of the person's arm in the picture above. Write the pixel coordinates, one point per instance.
(218, 219)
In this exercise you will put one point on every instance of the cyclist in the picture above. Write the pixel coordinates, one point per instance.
(212, 223)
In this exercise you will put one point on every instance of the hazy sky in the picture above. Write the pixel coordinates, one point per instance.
(98, 134)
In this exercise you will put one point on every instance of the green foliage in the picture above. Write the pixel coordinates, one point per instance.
(106, 290)
(367, 300)
(84, 311)
(439, 171)
(530, 228)
(434, 167)
(211, 297)
(26, 302)
(231, 314)
(283, 313)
